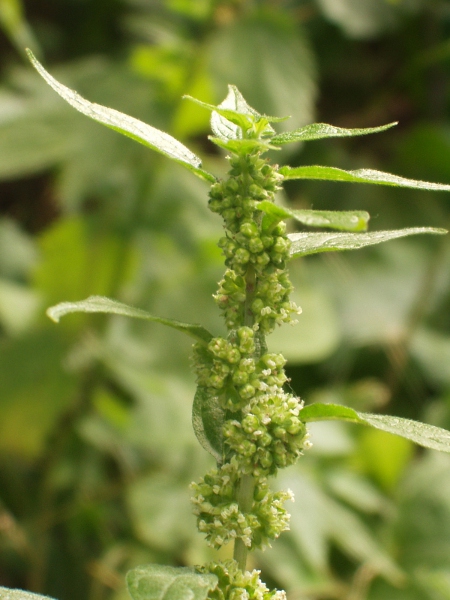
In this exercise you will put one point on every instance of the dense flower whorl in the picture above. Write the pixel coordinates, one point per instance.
(235, 584)
(219, 517)
(269, 436)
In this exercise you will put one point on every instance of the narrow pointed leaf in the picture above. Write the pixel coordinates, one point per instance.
(207, 419)
(304, 243)
(100, 304)
(355, 220)
(318, 131)
(129, 126)
(422, 434)
(10, 594)
(359, 176)
(162, 582)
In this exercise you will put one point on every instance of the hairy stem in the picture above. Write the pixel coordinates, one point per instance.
(245, 501)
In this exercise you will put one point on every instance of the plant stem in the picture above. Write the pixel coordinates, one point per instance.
(245, 501)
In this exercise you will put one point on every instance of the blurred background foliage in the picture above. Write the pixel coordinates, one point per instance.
(96, 447)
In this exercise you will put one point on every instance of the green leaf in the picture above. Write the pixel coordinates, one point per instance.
(318, 131)
(359, 176)
(355, 220)
(137, 130)
(234, 116)
(305, 243)
(243, 146)
(207, 420)
(161, 582)
(8, 594)
(425, 435)
(100, 304)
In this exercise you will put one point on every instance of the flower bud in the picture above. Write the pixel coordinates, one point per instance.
(255, 245)
(249, 229)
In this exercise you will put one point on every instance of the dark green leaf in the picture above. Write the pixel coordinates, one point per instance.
(343, 220)
(318, 131)
(207, 419)
(8, 594)
(425, 435)
(100, 304)
(304, 243)
(137, 130)
(359, 176)
(161, 582)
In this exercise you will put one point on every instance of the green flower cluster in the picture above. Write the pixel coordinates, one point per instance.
(252, 247)
(219, 517)
(235, 584)
(262, 428)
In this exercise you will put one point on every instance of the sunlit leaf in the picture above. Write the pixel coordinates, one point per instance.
(304, 243)
(355, 220)
(423, 434)
(137, 130)
(161, 582)
(359, 176)
(100, 304)
(8, 594)
(207, 420)
(318, 131)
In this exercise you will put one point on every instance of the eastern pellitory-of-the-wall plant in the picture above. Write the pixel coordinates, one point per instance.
(242, 413)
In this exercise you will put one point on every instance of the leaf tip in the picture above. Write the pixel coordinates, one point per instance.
(53, 314)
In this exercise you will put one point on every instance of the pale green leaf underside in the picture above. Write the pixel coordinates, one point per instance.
(304, 243)
(355, 220)
(137, 130)
(8, 594)
(207, 420)
(162, 582)
(100, 304)
(318, 131)
(425, 435)
(359, 176)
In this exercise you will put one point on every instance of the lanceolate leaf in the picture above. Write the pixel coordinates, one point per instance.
(8, 594)
(100, 304)
(304, 243)
(318, 131)
(161, 582)
(425, 435)
(207, 419)
(359, 176)
(355, 220)
(137, 130)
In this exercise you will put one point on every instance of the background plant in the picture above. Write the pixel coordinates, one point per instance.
(103, 201)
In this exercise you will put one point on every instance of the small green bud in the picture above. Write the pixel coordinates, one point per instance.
(279, 229)
(250, 423)
(255, 245)
(242, 256)
(240, 378)
(257, 306)
(247, 391)
(267, 241)
(249, 229)
(229, 214)
(262, 259)
(232, 186)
